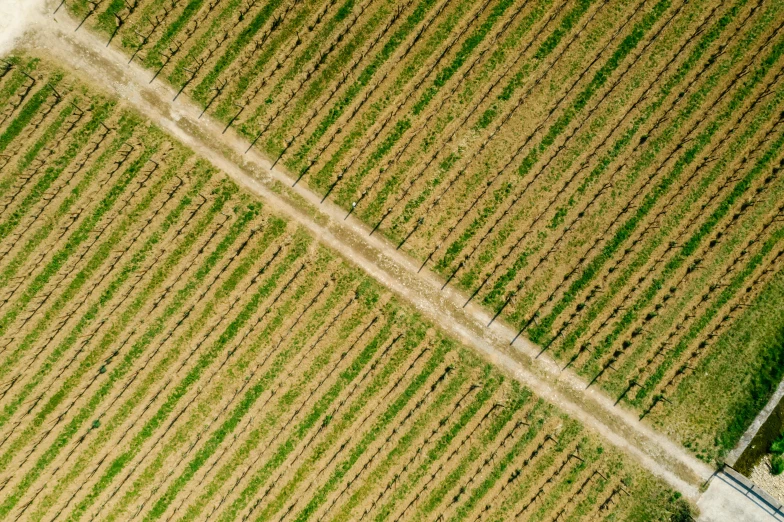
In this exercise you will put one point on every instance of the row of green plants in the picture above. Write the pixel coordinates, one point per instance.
(651, 196)
(689, 246)
(210, 289)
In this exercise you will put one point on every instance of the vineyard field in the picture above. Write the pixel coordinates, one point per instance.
(173, 349)
(602, 175)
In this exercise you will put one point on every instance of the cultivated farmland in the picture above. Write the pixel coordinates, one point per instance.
(173, 350)
(604, 175)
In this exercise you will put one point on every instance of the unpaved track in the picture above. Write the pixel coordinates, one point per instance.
(87, 55)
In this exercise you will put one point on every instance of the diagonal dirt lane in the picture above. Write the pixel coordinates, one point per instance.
(86, 55)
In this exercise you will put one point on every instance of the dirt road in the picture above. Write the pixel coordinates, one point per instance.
(87, 55)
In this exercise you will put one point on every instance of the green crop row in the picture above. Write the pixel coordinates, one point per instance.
(157, 325)
(629, 43)
(494, 294)
(651, 197)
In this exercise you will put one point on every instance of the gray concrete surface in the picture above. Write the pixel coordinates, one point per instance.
(730, 497)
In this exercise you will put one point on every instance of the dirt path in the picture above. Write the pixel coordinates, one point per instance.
(87, 55)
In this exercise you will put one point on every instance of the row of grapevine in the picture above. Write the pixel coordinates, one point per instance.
(539, 155)
(172, 349)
